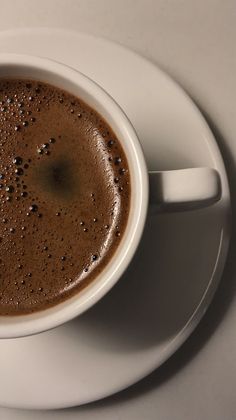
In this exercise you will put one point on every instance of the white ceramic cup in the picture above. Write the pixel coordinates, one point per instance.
(170, 190)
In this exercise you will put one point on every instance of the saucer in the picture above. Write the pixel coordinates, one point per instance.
(171, 281)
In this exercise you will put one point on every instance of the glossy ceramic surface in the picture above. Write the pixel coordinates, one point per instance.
(168, 287)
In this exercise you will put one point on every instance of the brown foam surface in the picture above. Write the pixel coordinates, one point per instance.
(64, 195)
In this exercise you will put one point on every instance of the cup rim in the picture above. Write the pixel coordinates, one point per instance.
(47, 69)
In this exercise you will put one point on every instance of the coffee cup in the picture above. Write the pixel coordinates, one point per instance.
(173, 190)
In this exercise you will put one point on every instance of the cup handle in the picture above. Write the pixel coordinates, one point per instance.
(184, 189)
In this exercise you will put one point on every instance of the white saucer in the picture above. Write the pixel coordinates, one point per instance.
(169, 285)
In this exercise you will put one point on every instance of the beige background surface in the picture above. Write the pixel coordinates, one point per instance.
(194, 41)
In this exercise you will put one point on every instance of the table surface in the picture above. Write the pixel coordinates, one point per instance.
(194, 41)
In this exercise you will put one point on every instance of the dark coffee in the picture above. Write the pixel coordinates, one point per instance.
(64, 195)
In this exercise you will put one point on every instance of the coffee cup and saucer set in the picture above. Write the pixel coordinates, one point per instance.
(162, 278)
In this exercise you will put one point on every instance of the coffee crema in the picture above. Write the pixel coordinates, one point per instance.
(64, 195)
